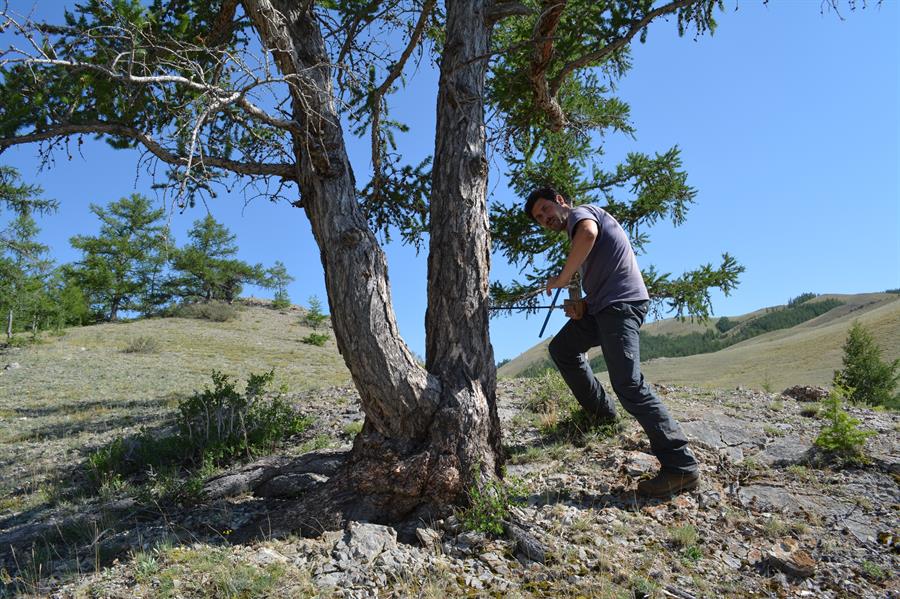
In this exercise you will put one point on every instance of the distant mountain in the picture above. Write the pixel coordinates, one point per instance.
(806, 353)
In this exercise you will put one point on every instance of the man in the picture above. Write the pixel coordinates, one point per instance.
(617, 303)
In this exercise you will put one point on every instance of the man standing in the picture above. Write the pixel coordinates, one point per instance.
(617, 303)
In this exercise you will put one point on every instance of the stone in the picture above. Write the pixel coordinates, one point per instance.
(765, 497)
(363, 542)
(12, 366)
(784, 452)
(429, 537)
(266, 556)
(793, 562)
(638, 463)
(806, 393)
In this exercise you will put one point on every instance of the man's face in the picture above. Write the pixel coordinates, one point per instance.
(550, 214)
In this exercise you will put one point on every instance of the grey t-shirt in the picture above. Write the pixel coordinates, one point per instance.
(610, 273)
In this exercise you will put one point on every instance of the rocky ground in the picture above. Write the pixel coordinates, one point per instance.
(769, 519)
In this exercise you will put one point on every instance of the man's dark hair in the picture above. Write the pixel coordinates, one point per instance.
(547, 193)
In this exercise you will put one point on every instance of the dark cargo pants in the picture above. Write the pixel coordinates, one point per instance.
(616, 329)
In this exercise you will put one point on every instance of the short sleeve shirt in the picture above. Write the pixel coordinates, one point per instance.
(610, 273)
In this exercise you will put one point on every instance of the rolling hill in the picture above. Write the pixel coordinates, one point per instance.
(807, 353)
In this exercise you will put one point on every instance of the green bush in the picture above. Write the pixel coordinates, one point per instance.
(841, 436)
(318, 339)
(212, 428)
(489, 503)
(215, 311)
(142, 345)
(870, 380)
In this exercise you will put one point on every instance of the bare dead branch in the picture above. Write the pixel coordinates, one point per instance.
(283, 170)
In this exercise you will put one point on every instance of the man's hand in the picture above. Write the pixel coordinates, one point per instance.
(556, 283)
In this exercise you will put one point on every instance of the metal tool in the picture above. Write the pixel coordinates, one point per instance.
(549, 312)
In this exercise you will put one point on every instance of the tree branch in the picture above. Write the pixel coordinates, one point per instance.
(597, 56)
(503, 10)
(378, 94)
(225, 97)
(283, 170)
(541, 56)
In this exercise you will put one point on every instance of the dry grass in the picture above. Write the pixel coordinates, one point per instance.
(76, 392)
(806, 354)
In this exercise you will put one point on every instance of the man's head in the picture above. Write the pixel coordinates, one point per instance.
(548, 208)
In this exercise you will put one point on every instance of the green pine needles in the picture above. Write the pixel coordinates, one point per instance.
(841, 437)
(870, 379)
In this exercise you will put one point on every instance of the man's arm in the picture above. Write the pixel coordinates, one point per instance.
(583, 239)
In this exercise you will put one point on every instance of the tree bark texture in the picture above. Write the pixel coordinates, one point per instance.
(424, 429)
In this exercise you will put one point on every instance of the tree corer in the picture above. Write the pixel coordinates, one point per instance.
(617, 303)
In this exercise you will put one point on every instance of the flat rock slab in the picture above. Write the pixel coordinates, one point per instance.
(729, 436)
(768, 498)
(784, 452)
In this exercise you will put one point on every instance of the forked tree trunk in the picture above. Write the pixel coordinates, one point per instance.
(425, 430)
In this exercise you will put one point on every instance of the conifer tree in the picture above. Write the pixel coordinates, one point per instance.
(24, 262)
(277, 278)
(869, 379)
(207, 268)
(119, 265)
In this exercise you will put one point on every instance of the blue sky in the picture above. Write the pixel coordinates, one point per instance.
(787, 119)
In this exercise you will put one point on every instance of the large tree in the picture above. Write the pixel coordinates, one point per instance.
(186, 81)
(120, 266)
(206, 268)
(24, 263)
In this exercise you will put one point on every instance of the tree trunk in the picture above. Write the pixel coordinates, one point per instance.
(424, 430)
(9, 321)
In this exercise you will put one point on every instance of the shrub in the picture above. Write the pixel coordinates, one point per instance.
(318, 339)
(142, 345)
(212, 428)
(842, 436)
(869, 379)
(214, 311)
(489, 503)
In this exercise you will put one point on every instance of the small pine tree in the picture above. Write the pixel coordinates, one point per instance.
(842, 436)
(314, 316)
(278, 278)
(871, 380)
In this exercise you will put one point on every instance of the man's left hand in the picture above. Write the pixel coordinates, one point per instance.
(556, 283)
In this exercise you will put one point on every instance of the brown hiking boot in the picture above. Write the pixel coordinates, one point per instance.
(668, 482)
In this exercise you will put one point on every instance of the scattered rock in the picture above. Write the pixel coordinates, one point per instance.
(806, 393)
(792, 561)
(429, 537)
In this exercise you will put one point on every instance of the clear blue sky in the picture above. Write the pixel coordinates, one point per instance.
(788, 124)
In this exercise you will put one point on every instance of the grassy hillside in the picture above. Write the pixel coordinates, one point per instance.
(785, 356)
(71, 394)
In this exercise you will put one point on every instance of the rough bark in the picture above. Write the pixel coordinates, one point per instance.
(425, 430)
(458, 349)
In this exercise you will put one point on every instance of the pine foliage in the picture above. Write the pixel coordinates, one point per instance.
(869, 378)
